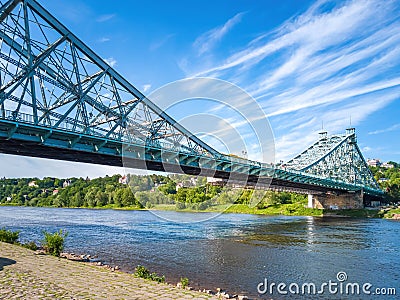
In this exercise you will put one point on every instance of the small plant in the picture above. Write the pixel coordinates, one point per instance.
(53, 243)
(8, 236)
(143, 272)
(30, 245)
(157, 278)
(184, 282)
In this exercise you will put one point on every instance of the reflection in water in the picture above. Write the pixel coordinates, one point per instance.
(310, 234)
(232, 251)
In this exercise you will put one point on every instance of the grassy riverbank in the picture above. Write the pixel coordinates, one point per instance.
(24, 275)
(296, 209)
(174, 192)
(293, 209)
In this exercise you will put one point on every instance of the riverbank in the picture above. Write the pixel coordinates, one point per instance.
(293, 209)
(24, 275)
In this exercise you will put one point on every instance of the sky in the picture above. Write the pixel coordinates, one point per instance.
(309, 65)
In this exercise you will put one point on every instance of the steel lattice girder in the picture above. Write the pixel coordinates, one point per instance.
(338, 158)
(57, 82)
(57, 94)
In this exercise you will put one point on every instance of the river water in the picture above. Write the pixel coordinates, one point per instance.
(233, 251)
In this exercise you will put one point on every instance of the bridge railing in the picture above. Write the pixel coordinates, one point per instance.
(29, 118)
(279, 171)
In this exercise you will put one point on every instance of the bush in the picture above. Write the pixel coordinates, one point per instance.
(143, 272)
(184, 282)
(149, 205)
(203, 205)
(180, 205)
(8, 236)
(54, 243)
(30, 246)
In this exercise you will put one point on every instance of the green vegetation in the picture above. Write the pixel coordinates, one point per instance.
(388, 214)
(104, 192)
(30, 245)
(143, 272)
(389, 180)
(173, 192)
(356, 213)
(184, 282)
(8, 236)
(53, 243)
(294, 209)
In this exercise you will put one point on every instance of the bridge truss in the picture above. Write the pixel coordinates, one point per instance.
(337, 157)
(60, 100)
(51, 79)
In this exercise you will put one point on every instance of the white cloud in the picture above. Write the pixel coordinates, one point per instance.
(391, 128)
(146, 87)
(158, 44)
(328, 64)
(104, 18)
(111, 61)
(207, 41)
(306, 30)
(366, 149)
(104, 40)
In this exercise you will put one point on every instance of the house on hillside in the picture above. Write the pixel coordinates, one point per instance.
(387, 165)
(66, 183)
(123, 180)
(374, 162)
(32, 184)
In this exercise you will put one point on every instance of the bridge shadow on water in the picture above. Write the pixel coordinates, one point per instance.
(6, 262)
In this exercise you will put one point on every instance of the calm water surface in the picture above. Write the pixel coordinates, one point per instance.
(232, 251)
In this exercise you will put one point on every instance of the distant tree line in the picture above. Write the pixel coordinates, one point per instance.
(71, 192)
(140, 191)
(147, 191)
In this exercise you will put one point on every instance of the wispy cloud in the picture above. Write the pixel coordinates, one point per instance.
(111, 61)
(104, 18)
(391, 128)
(326, 64)
(207, 40)
(104, 39)
(158, 44)
(146, 87)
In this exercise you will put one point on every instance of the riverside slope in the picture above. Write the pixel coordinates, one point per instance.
(24, 275)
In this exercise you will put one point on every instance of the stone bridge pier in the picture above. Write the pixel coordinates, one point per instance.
(330, 200)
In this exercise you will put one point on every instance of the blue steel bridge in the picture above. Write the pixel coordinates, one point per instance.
(60, 100)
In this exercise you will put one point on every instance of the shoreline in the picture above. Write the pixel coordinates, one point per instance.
(129, 272)
(26, 275)
(245, 209)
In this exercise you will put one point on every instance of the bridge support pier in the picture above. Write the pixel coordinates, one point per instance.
(310, 201)
(349, 200)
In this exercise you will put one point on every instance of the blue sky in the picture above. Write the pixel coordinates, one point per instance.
(307, 63)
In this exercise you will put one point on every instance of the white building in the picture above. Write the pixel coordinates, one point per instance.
(123, 180)
(66, 183)
(32, 184)
(374, 162)
(387, 165)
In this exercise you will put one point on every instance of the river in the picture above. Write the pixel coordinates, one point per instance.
(235, 252)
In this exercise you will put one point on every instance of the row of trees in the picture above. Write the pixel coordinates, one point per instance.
(150, 190)
(141, 191)
(72, 192)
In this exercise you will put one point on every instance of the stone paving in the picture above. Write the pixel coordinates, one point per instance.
(24, 275)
